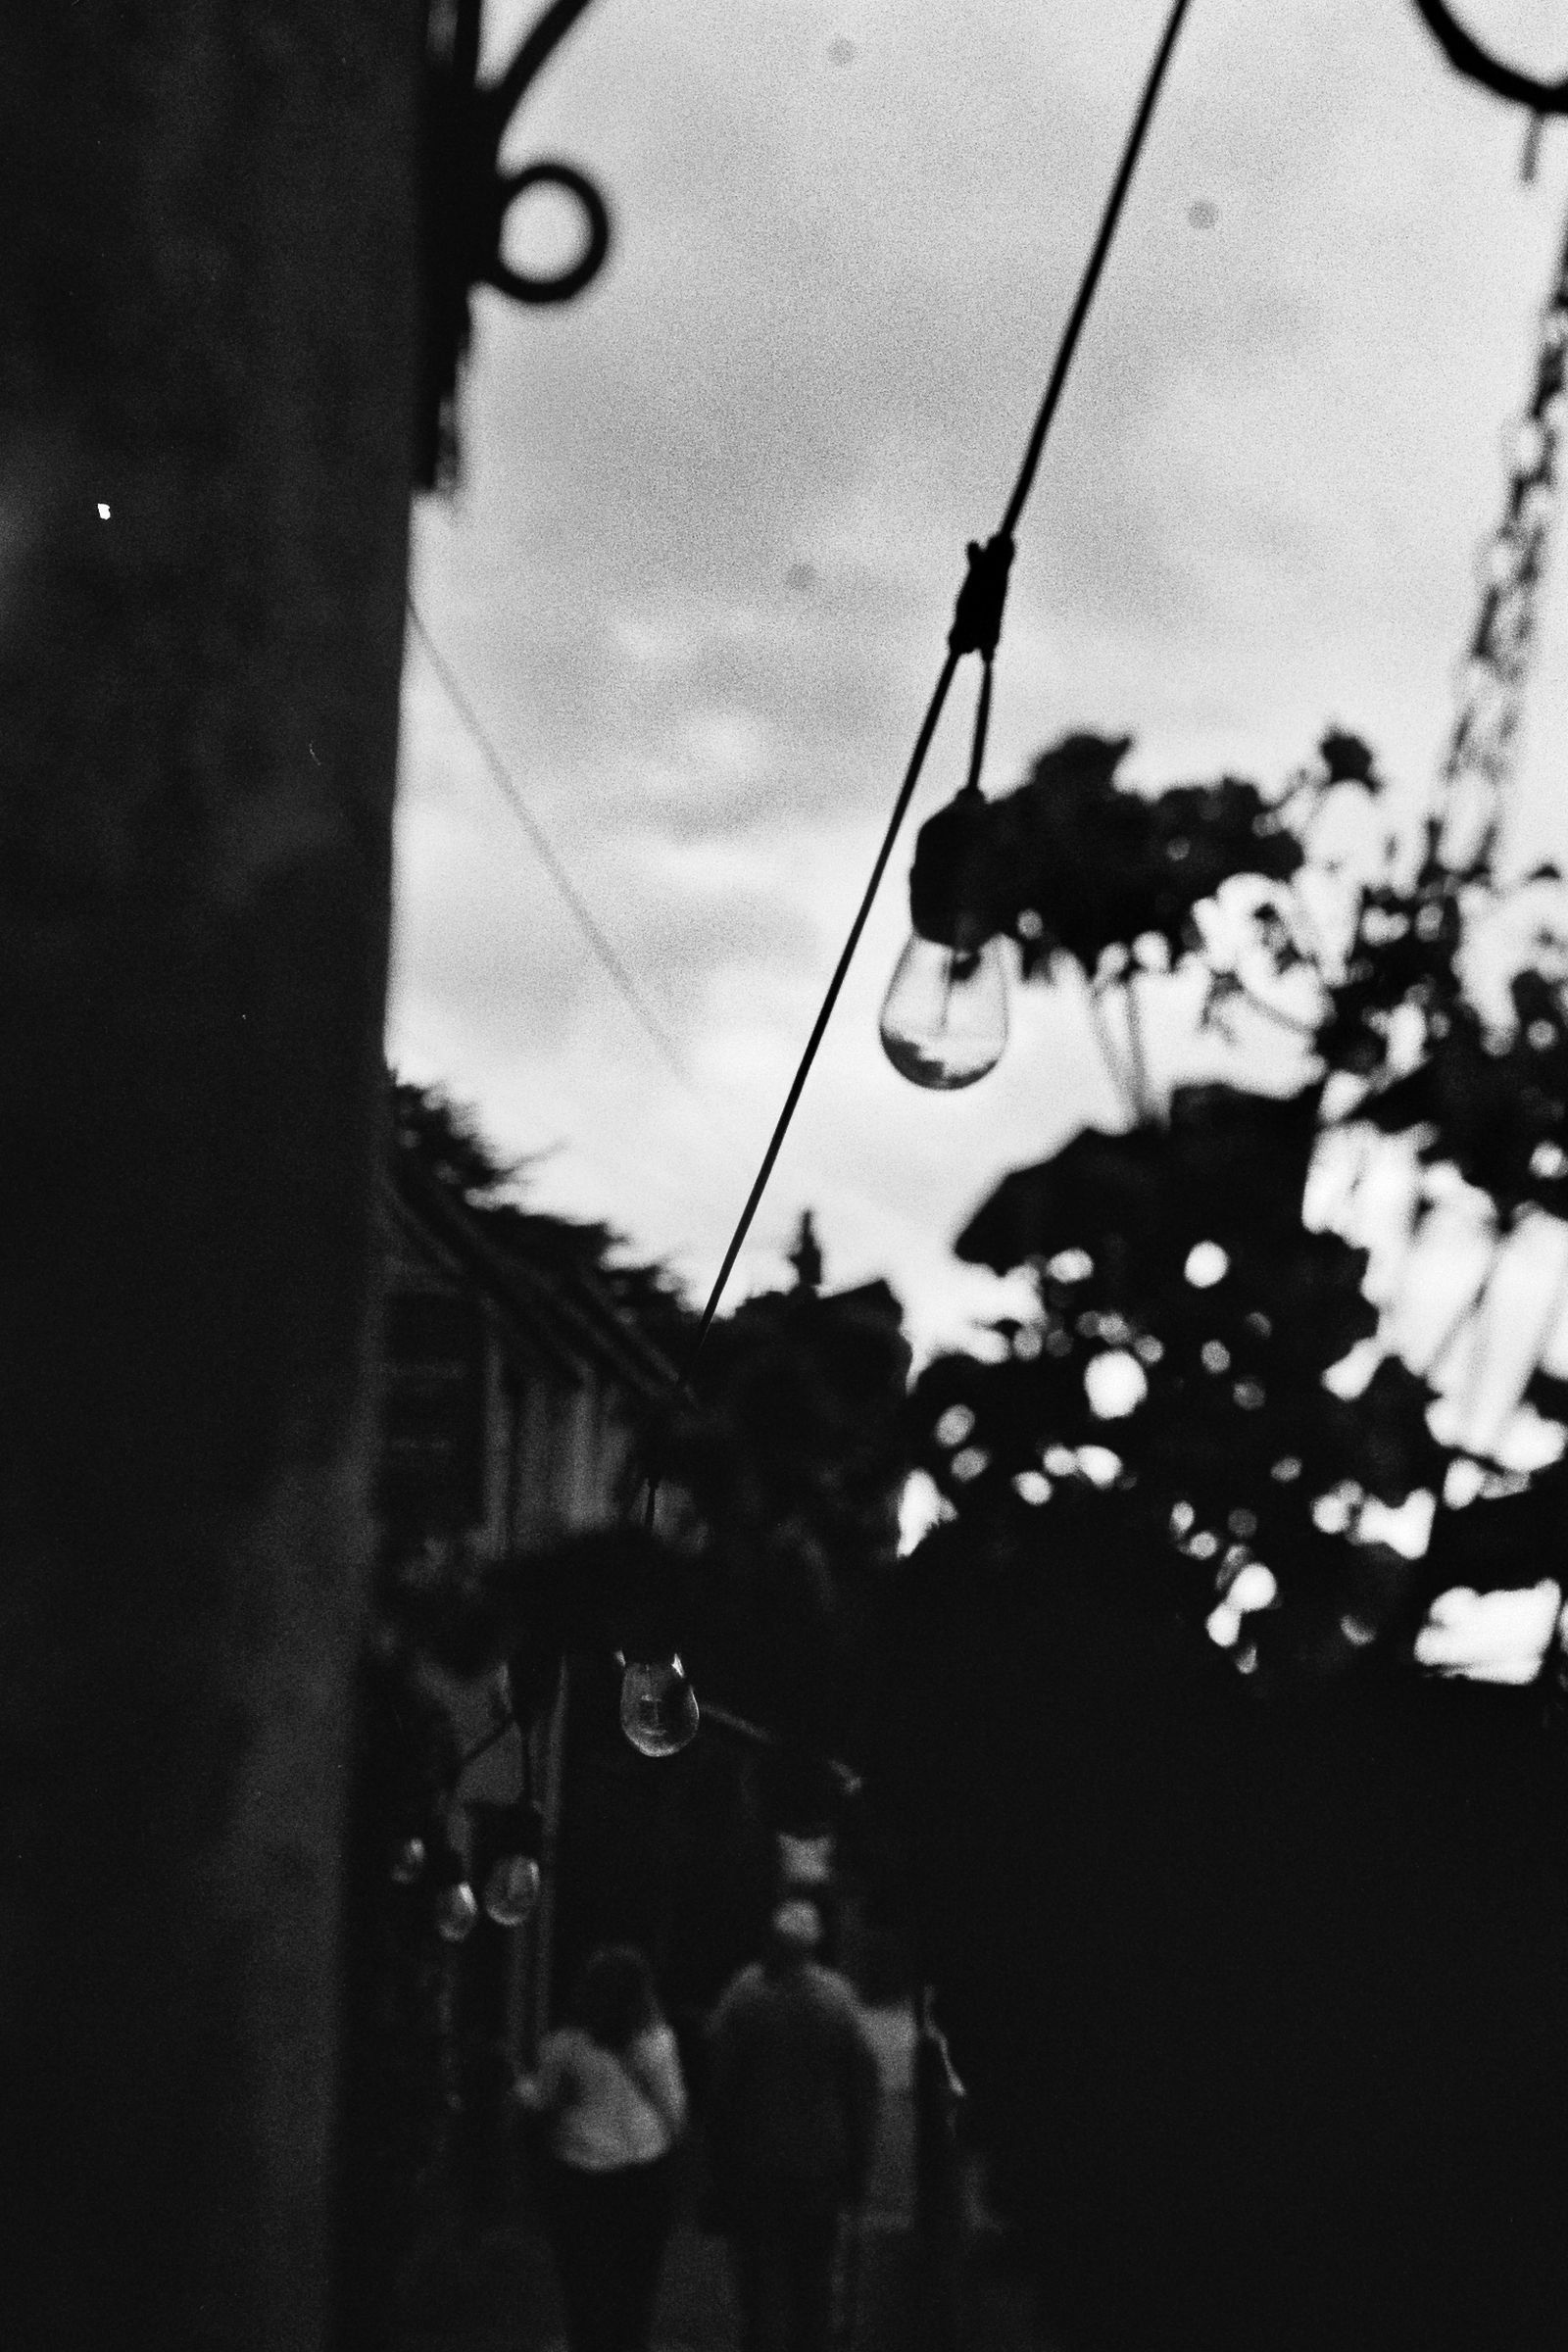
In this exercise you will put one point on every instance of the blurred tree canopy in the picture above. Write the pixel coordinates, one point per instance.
(1211, 1368)
(1256, 1976)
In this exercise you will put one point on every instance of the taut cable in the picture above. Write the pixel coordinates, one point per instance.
(976, 628)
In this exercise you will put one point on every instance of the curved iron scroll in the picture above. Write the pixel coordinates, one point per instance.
(467, 198)
(1467, 55)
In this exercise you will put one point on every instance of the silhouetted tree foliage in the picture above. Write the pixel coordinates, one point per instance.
(446, 1137)
(1189, 1325)
(784, 1457)
(1257, 1979)
(447, 1140)
(1070, 864)
(794, 1457)
(1213, 1431)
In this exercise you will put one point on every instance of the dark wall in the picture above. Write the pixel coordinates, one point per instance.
(207, 381)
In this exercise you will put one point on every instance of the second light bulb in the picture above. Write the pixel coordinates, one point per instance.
(945, 1016)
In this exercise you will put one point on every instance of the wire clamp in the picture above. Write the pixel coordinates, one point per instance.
(977, 614)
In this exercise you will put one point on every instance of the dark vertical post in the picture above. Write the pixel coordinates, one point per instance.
(938, 2221)
(553, 1778)
(207, 394)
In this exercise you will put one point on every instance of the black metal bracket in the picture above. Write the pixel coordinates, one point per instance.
(1467, 56)
(466, 196)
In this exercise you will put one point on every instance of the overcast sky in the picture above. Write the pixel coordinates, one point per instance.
(699, 574)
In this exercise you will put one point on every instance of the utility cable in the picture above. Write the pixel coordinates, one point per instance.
(1096, 263)
(543, 849)
(911, 777)
(976, 628)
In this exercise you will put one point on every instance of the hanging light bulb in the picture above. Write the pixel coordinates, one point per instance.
(453, 1904)
(511, 1890)
(455, 1911)
(945, 1016)
(659, 1711)
(407, 1860)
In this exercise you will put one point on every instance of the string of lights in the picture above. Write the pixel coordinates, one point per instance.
(976, 628)
(659, 1708)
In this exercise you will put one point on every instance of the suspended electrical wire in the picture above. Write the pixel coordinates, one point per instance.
(976, 627)
(543, 849)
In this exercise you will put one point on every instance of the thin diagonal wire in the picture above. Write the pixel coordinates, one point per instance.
(912, 776)
(982, 721)
(1095, 265)
(1015, 504)
(582, 913)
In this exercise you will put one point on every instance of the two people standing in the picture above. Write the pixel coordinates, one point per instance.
(792, 2088)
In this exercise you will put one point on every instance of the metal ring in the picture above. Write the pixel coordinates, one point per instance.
(1467, 56)
(522, 286)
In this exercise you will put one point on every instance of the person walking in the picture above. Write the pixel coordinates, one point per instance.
(610, 2093)
(792, 2093)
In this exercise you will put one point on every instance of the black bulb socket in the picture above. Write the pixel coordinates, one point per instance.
(946, 880)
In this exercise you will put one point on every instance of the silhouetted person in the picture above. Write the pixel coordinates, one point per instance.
(609, 2085)
(792, 2098)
